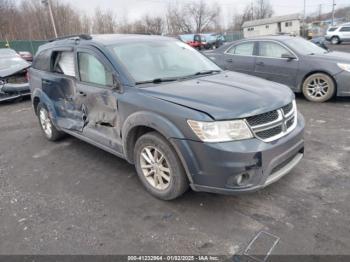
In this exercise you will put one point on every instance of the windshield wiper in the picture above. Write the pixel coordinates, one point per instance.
(207, 72)
(171, 79)
(158, 80)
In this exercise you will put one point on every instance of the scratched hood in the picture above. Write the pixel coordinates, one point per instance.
(224, 96)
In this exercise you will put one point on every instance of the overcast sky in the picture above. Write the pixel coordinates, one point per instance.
(134, 9)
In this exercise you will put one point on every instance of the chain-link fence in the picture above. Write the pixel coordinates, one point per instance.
(23, 45)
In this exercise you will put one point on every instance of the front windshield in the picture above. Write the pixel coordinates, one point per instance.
(149, 60)
(304, 47)
(11, 61)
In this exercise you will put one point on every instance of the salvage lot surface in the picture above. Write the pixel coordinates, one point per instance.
(72, 198)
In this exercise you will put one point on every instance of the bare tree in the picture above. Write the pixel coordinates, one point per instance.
(153, 25)
(263, 9)
(202, 15)
(104, 22)
(177, 20)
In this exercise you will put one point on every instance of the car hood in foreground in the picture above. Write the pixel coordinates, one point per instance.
(224, 96)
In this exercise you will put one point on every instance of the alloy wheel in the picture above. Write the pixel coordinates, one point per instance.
(317, 87)
(45, 122)
(155, 167)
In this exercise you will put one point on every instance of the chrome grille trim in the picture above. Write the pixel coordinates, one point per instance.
(282, 121)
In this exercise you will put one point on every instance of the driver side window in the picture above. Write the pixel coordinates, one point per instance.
(91, 70)
(272, 50)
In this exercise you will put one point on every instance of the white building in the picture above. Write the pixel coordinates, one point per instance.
(271, 26)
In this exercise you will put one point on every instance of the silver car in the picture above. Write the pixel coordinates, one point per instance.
(303, 66)
(337, 35)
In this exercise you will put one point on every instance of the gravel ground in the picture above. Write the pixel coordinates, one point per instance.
(72, 198)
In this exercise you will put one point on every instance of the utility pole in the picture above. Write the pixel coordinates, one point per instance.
(304, 20)
(333, 11)
(48, 4)
(320, 12)
(252, 10)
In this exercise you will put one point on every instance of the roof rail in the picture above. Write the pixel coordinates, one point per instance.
(74, 37)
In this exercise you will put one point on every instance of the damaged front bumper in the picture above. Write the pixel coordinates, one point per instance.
(240, 166)
(9, 92)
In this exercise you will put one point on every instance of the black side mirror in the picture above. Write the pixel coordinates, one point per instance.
(288, 56)
(116, 83)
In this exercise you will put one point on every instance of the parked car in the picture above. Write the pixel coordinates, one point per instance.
(338, 34)
(26, 55)
(170, 111)
(213, 40)
(13, 76)
(195, 41)
(303, 66)
(320, 41)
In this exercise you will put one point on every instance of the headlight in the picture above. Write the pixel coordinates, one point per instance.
(345, 67)
(222, 131)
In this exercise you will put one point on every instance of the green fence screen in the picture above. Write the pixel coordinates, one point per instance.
(233, 36)
(23, 45)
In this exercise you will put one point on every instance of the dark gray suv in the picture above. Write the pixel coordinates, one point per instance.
(169, 110)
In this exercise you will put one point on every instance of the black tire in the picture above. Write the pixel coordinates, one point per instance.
(335, 40)
(178, 183)
(55, 134)
(324, 78)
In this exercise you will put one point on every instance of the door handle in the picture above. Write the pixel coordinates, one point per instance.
(260, 63)
(46, 82)
(81, 93)
(230, 60)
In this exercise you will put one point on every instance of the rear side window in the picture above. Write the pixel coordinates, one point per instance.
(63, 63)
(42, 61)
(246, 49)
(332, 29)
(345, 29)
(91, 70)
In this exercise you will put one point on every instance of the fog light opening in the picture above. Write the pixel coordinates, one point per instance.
(243, 179)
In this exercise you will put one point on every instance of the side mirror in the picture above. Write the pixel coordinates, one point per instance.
(116, 83)
(288, 56)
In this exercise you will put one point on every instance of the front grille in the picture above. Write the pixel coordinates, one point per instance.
(263, 118)
(275, 124)
(287, 109)
(270, 132)
(290, 122)
(282, 165)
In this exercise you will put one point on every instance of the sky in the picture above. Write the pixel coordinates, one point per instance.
(134, 9)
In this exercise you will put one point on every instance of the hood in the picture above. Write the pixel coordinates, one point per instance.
(8, 71)
(333, 56)
(225, 96)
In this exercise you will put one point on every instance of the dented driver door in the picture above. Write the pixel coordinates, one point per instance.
(96, 99)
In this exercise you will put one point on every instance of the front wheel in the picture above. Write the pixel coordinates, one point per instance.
(159, 167)
(335, 40)
(318, 88)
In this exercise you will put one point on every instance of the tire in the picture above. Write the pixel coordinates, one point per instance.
(49, 130)
(335, 40)
(319, 88)
(165, 179)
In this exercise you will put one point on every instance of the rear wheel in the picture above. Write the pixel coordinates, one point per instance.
(46, 125)
(159, 167)
(335, 40)
(318, 88)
